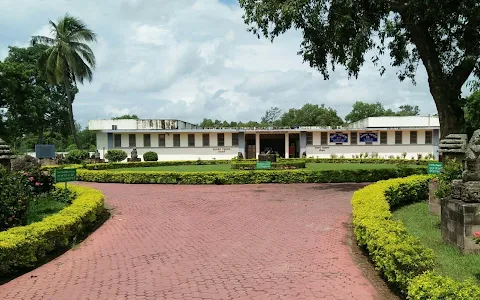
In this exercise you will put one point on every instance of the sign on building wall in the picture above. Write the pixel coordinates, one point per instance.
(338, 137)
(368, 137)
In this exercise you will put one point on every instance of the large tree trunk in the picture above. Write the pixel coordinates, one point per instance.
(73, 128)
(449, 107)
(40, 136)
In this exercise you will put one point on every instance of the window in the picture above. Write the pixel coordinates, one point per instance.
(206, 140)
(324, 138)
(309, 138)
(234, 139)
(191, 140)
(353, 138)
(398, 137)
(132, 140)
(117, 140)
(413, 137)
(176, 140)
(147, 142)
(161, 140)
(220, 139)
(428, 137)
(114, 127)
(383, 137)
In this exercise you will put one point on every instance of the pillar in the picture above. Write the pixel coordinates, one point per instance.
(287, 145)
(435, 142)
(241, 143)
(257, 144)
(303, 142)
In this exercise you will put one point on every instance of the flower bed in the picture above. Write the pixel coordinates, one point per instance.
(247, 177)
(403, 260)
(283, 165)
(23, 247)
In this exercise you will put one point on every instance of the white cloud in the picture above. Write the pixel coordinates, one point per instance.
(192, 59)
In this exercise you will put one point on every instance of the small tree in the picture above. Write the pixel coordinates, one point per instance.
(115, 155)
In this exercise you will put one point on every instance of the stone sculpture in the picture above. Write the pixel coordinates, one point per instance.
(5, 154)
(97, 155)
(134, 154)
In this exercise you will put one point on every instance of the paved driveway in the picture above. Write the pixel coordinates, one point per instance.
(209, 242)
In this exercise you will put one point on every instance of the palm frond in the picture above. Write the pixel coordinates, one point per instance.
(84, 52)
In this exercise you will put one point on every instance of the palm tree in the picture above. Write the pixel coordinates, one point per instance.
(68, 59)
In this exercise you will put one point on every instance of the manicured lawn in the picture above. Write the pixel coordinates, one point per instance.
(227, 167)
(43, 207)
(427, 228)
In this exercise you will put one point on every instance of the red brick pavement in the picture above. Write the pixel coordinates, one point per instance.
(209, 242)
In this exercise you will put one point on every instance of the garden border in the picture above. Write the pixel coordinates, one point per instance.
(405, 263)
(246, 177)
(24, 247)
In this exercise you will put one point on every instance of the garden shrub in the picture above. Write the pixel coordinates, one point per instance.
(451, 170)
(150, 156)
(404, 262)
(246, 177)
(38, 180)
(24, 163)
(25, 246)
(363, 159)
(115, 155)
(251, 165)
(14, 198)
(76, 156)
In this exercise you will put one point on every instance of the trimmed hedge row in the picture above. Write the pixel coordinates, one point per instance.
(143, 164)
(246, 177)
(403, 260)
(283, 165)
(23, 247)
(422, 162)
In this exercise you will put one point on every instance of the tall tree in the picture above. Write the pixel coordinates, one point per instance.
(408, 110)
(311, 115)
(443, 34)
(472, 112)
(68, 59)
(362, 110)
(135, 117)
(272, 116)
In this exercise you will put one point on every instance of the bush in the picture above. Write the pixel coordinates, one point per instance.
(284, 165)
(25, 163)
(433, 286)
(451, 170)
(246, 177)
(26, 246)
(14, 198)
(76, 156)
(114, 155)
(38, 180)
(150, 156)
(363, 159)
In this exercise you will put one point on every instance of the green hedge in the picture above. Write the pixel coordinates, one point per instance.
(403, 260)
(422, 162)
(246, 177)
(251, 165)
(143, 164)
(24, 247)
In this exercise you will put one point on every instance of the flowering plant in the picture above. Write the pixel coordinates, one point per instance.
(38, 181)
(476, 237)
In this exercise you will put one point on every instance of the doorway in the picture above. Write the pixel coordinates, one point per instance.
(250, 149)
(273, 142)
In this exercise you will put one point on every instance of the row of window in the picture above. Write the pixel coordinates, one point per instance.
(147, 140)
(383, 138)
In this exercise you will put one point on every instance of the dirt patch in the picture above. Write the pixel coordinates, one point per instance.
(367, 268)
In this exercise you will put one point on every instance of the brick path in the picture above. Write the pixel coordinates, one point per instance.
(209, 242)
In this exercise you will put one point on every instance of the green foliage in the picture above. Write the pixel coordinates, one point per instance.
(283, 165)
(433, 286)
(472, 112)
(126, 117)
(246, 177)
(14, 198)
(115, 155)
(24, 163)
(311, 115)
(26, 246)
(76, 156)
(38, 180)
(451, 170)
(363, 159)
(150, 156)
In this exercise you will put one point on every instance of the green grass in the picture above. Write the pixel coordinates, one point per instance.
(43, 207)
(227, 167)
(426, 227)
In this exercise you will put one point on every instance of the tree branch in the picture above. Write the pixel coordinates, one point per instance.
(463, 70)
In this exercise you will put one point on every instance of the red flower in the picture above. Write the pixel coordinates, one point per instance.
(31, 179)
(476, 234)
(37, 183)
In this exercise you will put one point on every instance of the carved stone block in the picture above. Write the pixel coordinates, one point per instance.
(471, 192)
(457, 187)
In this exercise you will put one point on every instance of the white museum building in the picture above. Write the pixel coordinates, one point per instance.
(179, 140)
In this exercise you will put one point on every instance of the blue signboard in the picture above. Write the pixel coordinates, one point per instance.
(369, 137)
(338, 137)
(44, 151)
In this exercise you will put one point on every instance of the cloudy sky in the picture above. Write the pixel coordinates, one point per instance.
(191, 59)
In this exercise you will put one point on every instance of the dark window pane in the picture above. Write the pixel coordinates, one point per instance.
(191, 140)
(161, 140)
(132, 140)
(147, 142)
(176, 140)
(206, 139)
(220, 139)
(234, 139)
